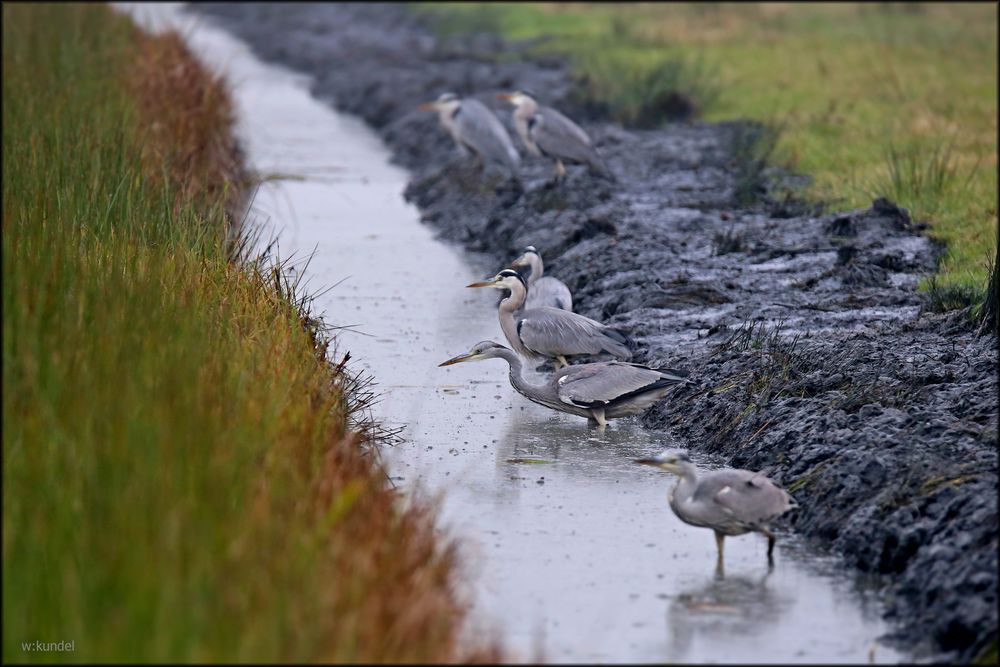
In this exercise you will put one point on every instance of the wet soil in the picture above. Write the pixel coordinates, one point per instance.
(805, 331)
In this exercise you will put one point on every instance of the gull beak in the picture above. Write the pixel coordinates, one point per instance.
(484, 283)
(456, 360)
(426, 106)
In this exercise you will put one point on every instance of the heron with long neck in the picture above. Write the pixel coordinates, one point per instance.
(545, 131)
(476, 130)
(729, 501)
(598, 391)
(551, 333)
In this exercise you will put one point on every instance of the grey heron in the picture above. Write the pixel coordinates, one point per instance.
(545, 131)
(476, 129)
(729, 501)
(598, 391)
(543, 290)
(550, 333)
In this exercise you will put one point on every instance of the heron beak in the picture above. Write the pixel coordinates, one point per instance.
(519, 262)
(457, 360)
(484, 283)
(426, 106)
(648, 462)
(505, 96)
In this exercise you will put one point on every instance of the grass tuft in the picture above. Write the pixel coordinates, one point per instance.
(679, 88)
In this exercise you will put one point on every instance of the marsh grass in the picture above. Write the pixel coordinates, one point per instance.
(181, 480)
(680, 87)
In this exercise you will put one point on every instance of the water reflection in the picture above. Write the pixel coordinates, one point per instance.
(723, 609)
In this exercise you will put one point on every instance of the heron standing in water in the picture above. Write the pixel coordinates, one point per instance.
(545, 131)
(477, 130)
(550, 333)
(599, 391)
(729, 501)
(543, 290)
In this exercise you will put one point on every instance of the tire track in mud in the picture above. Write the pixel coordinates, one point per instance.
(805, 330)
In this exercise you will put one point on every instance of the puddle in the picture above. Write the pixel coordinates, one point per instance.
(570, 550)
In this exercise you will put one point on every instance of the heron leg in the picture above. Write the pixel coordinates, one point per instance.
(561, 361)
(599, 417)
(560, 170)
(719, 545)
(770, 545)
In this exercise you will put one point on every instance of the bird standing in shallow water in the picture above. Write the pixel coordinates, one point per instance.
(545, 131)
(551, 333)
(729, 501)
(599, 391)
(543, 290)
(477, 130)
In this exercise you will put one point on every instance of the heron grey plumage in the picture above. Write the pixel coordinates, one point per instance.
(598, 391)
(729, 501)
(476, 129)
(550, 333)
(543, 290)
(545, 131)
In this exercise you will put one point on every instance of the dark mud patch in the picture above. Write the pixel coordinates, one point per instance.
(805, 331)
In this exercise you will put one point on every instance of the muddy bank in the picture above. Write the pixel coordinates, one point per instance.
(881, 420)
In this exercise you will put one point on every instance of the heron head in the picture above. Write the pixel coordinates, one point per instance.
(674, 462)
(507, 279)
(518, 97)
(526, 257)
(484, 349)
(444, 101)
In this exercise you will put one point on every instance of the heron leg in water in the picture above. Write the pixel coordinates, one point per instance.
(561, 361)
(599, 417)
(770, 544)
(719, 544)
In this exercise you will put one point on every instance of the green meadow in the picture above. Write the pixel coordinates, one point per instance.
(872, 99)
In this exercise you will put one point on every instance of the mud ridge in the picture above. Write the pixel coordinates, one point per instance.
(806, 332)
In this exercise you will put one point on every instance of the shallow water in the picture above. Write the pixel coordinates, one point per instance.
(570, 550)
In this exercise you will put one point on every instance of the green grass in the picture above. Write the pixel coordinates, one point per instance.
(874, 99)
(179, 480)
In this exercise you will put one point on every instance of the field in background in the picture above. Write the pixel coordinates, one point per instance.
(893, 99)
(181, 480)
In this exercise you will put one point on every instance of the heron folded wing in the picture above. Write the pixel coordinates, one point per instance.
(750, 497)
(549, 292)
(479, 126)
(601, 383)
(552, 332)
(560, 137)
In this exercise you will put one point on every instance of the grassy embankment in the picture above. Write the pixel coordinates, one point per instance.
(895, 100)
(180, 479)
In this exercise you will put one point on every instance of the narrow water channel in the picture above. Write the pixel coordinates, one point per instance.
(575, 556)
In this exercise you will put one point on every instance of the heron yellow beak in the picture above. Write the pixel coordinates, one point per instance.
(520, 261)
(505, 96)
(426, 106)
(456, 360)
(484, 283)
(657, 462)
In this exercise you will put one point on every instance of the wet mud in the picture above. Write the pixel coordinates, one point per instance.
(805, 332)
